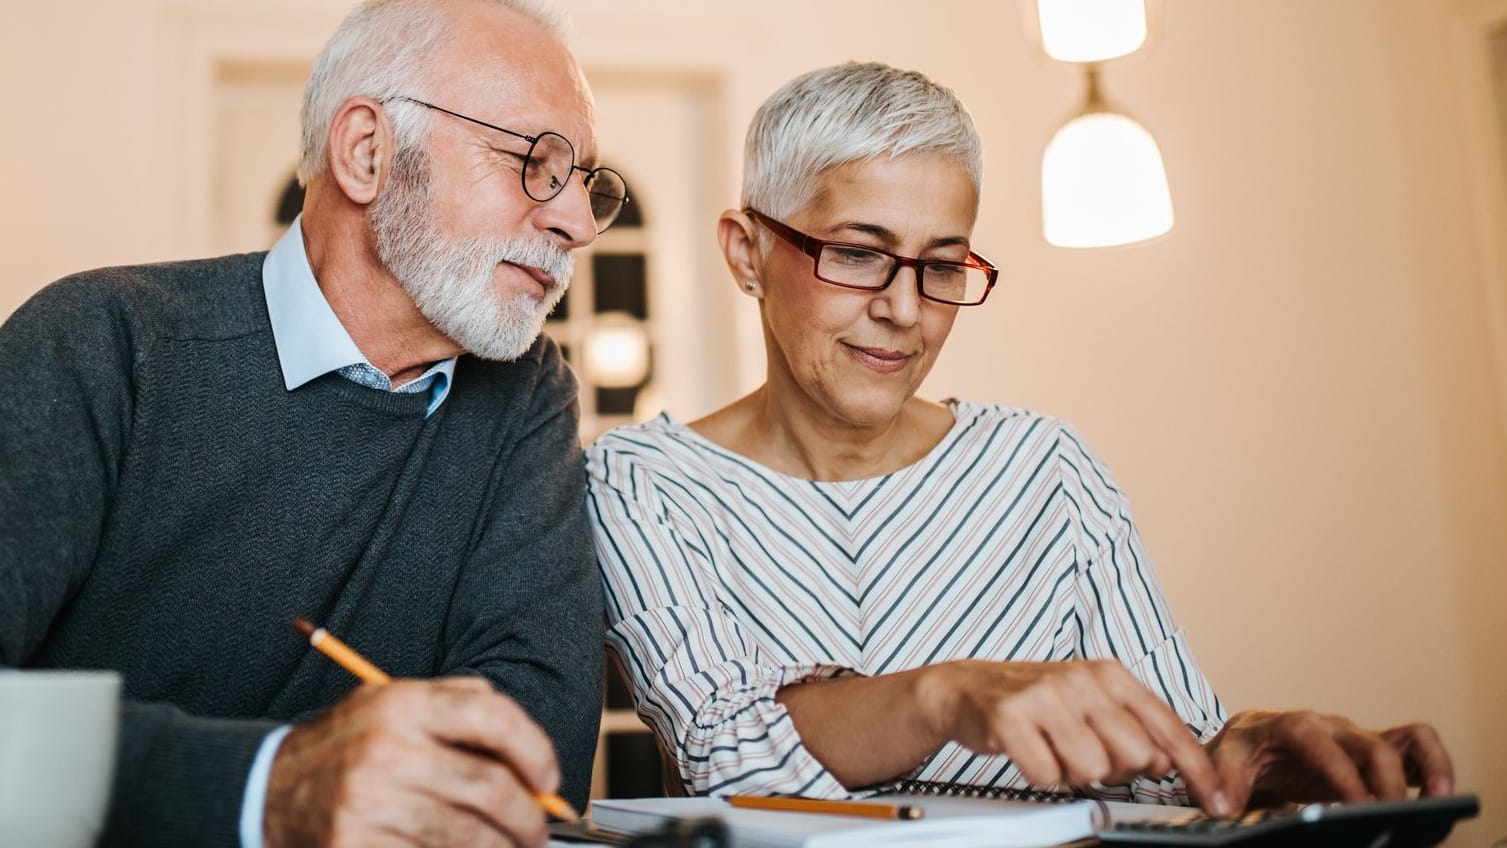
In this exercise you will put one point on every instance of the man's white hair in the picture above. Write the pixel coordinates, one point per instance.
(849, 113)
(383, 49)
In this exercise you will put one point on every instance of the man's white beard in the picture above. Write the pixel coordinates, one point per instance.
(451, 280)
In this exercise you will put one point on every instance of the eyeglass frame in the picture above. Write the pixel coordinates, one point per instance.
(533, 140)
(813, 247)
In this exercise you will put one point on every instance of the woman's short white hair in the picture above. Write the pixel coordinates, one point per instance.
(848, 113)
(382, 50)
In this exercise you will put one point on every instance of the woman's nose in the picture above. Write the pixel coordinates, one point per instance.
(900, 301)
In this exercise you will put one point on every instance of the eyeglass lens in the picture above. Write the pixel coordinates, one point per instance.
(550, 161)
(608, 194)
(947, 281)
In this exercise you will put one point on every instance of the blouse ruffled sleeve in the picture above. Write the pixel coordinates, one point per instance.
(704, 687)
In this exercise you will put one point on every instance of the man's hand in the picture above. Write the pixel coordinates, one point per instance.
(1270, 756)
(1074, 722)
(431, 763)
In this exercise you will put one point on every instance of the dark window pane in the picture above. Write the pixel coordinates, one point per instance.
(619, 693)
(619, 284)
(633, 766)
(290, 203)
(616, 401)
(632, 214)
(561, 310)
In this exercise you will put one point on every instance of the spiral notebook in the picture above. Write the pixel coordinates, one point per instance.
(948, 822)
(1105, 811)
(997, 793)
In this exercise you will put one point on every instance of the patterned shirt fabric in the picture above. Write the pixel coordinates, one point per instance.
(726, 581)
(373, 377)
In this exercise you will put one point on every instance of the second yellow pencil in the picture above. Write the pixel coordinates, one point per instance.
(864, 809)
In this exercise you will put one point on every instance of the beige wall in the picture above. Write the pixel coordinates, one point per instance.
(1301, 387)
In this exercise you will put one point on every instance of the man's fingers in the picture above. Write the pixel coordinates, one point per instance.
(469, 713)
(458, 793)
(485, 795)
(413, 763)
(421, 817)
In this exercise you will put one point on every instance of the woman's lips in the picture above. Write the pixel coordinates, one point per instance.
(882, 360)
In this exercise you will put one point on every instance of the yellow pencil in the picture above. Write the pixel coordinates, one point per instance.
(865, 809)
(341, 653)
(346, 657)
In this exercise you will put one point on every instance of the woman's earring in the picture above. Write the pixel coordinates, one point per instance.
(749, 286)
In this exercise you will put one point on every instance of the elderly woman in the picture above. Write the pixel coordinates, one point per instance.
(832, 585)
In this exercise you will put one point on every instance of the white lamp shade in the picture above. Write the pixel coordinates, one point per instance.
(1091, 30)
(1103, 184)
(617, 354)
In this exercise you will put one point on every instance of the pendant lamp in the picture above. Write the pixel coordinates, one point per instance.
(1103, 183)
(1102, 179)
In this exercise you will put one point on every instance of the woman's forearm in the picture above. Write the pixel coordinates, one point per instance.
(867, 730)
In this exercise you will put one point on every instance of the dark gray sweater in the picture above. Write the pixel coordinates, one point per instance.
(167, 507)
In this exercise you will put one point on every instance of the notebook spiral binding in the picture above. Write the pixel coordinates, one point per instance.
(1006, 793)
(970, 790)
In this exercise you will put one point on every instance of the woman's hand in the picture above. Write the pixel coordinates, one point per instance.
(1269, 756)
(1074, 722)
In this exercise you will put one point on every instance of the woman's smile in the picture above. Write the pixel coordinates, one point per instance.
(878, 359)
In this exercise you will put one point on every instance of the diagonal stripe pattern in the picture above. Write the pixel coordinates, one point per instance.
(726, 580)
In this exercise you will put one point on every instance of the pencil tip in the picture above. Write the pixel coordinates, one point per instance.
(304, 627)
(559, 808)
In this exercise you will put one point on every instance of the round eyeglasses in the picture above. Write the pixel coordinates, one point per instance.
(547, 167)
(858, 266)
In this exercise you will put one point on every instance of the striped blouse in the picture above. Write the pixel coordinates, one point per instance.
(726, 581)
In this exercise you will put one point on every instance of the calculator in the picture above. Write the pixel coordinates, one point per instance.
(1415, 823)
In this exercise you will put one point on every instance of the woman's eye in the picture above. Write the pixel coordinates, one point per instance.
(855, 256)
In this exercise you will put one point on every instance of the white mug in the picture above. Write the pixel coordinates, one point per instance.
(57, 755)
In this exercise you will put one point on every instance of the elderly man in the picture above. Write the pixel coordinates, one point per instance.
(362, 427)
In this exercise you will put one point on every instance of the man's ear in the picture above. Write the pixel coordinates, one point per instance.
(360, 149)
(740, 247)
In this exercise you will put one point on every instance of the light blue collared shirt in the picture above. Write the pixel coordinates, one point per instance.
(311, 342)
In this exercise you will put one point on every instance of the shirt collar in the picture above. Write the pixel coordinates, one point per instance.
(310, 339)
